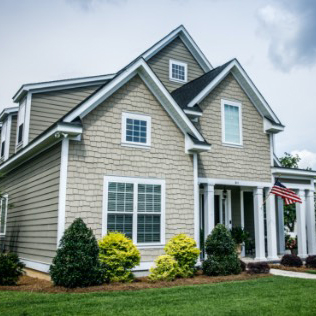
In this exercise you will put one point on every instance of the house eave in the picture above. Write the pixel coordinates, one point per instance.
(279, 171)
(8, 111)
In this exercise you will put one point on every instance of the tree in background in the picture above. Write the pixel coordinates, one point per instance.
(290, 161)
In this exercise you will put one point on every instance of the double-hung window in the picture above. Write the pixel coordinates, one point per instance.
(3, 214)
(3, 139)
(135, 207)
(21, 119)
(136, 130)
(231, 123)
(178, 71)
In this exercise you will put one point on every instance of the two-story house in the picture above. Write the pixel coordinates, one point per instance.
(168, 144)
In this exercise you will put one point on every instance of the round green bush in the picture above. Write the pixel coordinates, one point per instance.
(183, 249)
(11, 268)
(119, 255)
(76, 263)
(221, 252)
(166, 269)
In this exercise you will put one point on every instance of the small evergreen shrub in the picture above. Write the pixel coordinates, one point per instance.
(291, 261)
(166, 269)
(311, 262)
(258, 268)
(119, 255)
(76, 263)
(11, 268)
(183, 249)
(221, 252)
(242, 265)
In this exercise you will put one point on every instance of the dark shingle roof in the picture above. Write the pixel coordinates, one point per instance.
(187, 92)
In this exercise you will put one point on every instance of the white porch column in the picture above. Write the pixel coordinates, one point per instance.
(271, 227)
(259, 224)
(310, 222)
(209, 208)
(196, 201)
(301, 225)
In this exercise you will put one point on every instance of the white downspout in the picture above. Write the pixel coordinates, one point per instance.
(196, 200)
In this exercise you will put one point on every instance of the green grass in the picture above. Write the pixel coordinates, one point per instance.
(267, 296)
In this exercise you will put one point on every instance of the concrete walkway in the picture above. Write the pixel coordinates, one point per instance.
(292, 274)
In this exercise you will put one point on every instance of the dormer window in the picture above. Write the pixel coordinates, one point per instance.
(21, 119)
(136, 130)
(178, 71)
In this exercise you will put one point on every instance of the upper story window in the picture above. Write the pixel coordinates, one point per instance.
(136, 129)
(178, 71)
(3, 139)
(231, 123)
(135, 207)
(21, 120)
(3, 214)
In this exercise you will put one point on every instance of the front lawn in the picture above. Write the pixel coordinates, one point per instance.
(264, 296)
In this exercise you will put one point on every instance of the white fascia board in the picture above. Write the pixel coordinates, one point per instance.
(294, 172)
(242, 183)
(190, 146)
(192, 113)
(60, 84)
(247, 85)
(269, 127)
(140, 67)
(52, 136)
(8, 111)
(189, 43)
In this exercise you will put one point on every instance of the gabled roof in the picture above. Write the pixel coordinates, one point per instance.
(8, 111)
(195, 91)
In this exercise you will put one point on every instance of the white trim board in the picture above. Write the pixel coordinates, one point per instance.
(236, 182)
(153, 83)
(36, 265)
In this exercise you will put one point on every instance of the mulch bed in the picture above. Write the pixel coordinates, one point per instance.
(30, 284)
(294, 269)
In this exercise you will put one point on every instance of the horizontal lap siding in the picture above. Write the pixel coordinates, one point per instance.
(100, 153)
(47, 108)
(32, 220)
(13, 135)
(178, 51)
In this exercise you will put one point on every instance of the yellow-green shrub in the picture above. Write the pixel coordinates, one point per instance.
(183, 249)
(118, 255)
(166, 269)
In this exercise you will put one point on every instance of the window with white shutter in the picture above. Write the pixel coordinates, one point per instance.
(135, 207)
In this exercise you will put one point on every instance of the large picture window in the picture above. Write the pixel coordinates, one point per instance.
(135, 207)
(231, 123)
(3, 214)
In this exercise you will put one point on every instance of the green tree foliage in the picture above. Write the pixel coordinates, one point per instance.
(76, 263)
(289, 161)
(119, 255)
(222, 258)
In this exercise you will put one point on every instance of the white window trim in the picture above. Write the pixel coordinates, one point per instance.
(239, 105)
(135, 181)
(4, 196)
(7, 125)
(180, 63)
(134, 116)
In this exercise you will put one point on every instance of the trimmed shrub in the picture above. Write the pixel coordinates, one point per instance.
(311, 262)
(166, 269)
(222, 256)
(242, 265)
(76, 263)
(119, 255)
(291, 261)
(258, 268)
(183, 249)
(11, 268)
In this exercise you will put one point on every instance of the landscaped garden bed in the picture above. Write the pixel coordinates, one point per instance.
(294, 269)
(30, 284)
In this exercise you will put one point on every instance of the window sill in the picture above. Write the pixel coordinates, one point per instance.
(18, 146)
(177, 80)
(233, 145)
(150, 246)
(136, 145)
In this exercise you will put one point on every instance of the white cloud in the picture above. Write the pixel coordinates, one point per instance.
(290, 27)
(308, 158)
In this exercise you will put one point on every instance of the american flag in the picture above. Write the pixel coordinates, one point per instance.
(286, 194)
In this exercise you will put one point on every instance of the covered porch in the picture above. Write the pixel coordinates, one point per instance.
(249, 205)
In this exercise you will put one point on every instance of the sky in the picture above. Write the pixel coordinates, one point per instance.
(274, 40)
